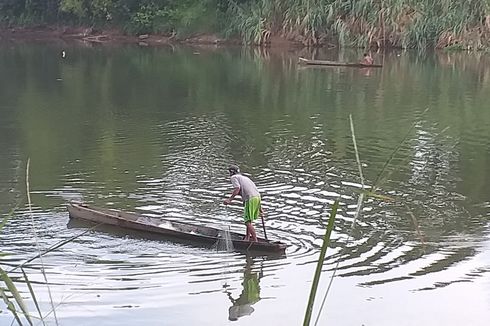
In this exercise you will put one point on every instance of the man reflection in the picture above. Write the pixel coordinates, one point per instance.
(366, 71)
(242, 306)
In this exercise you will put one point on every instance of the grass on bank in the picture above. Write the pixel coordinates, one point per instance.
(367, 23)
(364, 23)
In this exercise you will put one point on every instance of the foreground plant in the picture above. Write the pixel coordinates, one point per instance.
(319, 265)
(9, 293)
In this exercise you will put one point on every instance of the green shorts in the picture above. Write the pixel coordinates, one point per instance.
(252, 209)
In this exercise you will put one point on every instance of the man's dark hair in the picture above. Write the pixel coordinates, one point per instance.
(233, 169)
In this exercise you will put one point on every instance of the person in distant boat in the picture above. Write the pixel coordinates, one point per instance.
(367, 59)
(245, 187)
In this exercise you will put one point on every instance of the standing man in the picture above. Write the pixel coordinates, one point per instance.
(245, 187)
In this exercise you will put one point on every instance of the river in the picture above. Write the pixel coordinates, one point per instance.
(153, 130)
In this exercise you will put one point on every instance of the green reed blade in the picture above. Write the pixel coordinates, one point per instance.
(4, 221)
(318, 271)
(417, 227)
(31, 290)
(395, 151)
(43, 269)
(15, 293)
(10, 305)
(360, 201)
(378, 196)
(6, 217)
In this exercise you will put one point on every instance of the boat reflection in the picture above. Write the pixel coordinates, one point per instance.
(242, 305)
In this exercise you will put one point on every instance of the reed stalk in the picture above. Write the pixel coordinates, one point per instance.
(33, 295)
(18, 298)
(36, 239)
(55, 246)
(395, 151)
(319, 265)
(10, 306)
(10, 286)
(360, 202)
(373, 194)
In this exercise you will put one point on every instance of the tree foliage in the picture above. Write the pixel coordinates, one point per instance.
(364, 23)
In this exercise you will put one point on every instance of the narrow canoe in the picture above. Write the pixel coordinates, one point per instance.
(170, 229)
(336, 63)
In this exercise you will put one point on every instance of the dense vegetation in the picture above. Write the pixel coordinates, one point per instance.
(363, 23)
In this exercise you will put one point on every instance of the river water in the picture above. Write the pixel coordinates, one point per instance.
(152, 130)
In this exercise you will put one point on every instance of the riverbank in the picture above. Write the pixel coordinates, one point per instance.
(115, 36)
(92, 35)
(362, 24)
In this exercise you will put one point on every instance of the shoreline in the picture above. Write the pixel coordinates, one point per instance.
(115, 36)
(82, 34)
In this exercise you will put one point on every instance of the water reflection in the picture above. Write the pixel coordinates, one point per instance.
(242, 305)
(366, 71)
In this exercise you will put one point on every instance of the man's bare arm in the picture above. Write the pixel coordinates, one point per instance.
(235, 192)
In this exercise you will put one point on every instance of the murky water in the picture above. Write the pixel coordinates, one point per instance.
(153, 130)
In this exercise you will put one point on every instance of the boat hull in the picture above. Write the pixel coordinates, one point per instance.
(336, 63)
(169, 229)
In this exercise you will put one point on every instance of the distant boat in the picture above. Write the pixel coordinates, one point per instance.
(198, 234)
(336, 63)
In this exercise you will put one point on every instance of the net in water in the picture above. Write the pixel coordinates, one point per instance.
(224, 242)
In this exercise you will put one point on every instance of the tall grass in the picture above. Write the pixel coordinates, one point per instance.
(251, 21)
(366, 23)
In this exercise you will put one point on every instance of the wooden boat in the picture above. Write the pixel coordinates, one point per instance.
(336, 63)
(170, 229)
